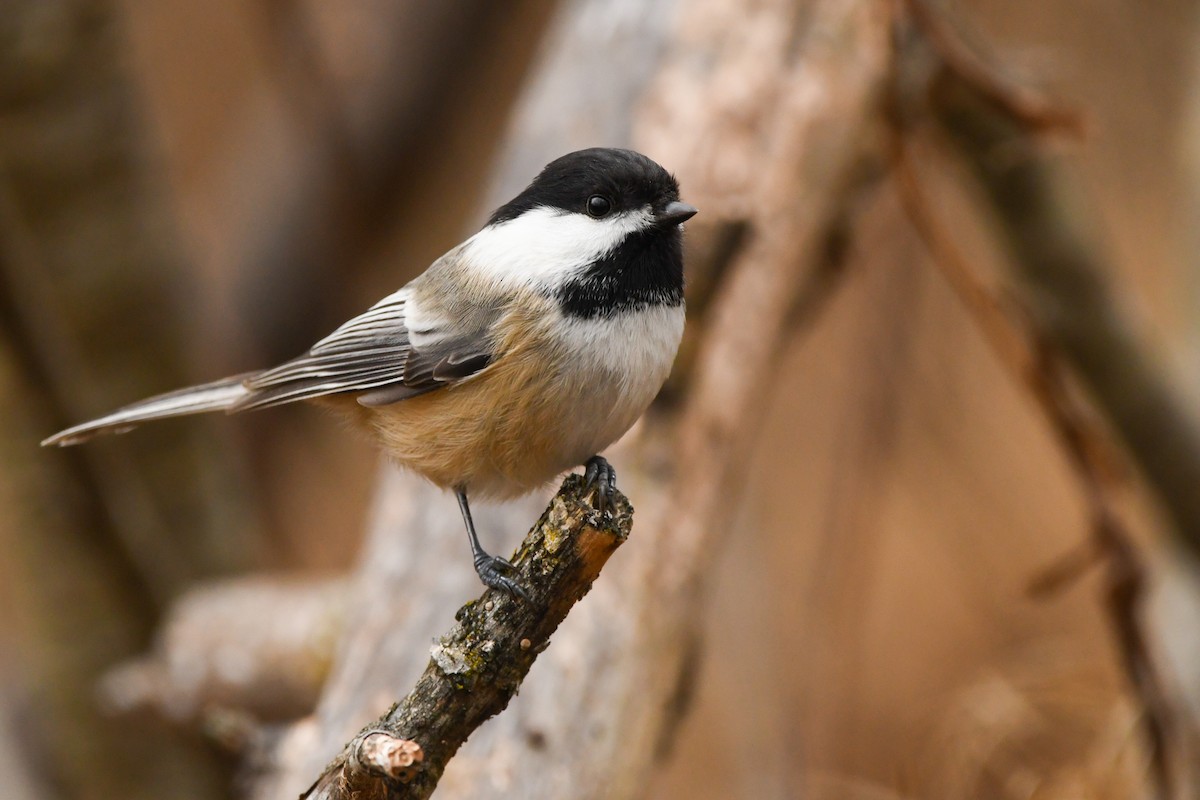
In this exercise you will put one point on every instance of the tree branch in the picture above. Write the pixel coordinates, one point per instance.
(1044, 224)
(476, 668)
(1040, 335)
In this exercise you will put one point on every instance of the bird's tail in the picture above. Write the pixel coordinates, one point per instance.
(220, 395)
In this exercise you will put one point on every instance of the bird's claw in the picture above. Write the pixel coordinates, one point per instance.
(494, 571)
(600, 480)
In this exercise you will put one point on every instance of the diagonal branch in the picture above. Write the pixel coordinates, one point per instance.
(979, 112)
(476, 668)
(1030, 108)
(1034, 359)
(1043, 222)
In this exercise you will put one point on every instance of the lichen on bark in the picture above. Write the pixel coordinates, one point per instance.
(476, 668)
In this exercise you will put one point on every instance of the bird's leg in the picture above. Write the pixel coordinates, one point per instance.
(491, 569)
(600, 477)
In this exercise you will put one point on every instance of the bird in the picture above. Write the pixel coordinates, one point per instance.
(518, 355)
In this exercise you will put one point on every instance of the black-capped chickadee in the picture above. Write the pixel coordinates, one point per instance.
(519, 354)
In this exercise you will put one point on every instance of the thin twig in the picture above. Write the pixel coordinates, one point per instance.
(1033, 109)
(1054, 242)
(477, 667)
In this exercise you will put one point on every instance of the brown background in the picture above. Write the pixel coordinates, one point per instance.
(869, 633)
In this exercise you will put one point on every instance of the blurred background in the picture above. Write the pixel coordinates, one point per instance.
(190, 189)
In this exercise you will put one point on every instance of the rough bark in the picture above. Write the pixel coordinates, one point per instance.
(477, 668)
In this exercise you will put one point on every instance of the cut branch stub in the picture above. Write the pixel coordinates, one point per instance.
(477, 667)
(382, 754)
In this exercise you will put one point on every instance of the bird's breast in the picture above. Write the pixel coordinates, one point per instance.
(627, 355)
(563, 390)
(608, 370)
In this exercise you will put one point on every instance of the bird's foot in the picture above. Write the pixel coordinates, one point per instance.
(600, 479)
(494, 572)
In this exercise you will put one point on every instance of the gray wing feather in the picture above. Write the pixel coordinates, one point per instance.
(433, 366)
(373, 353)
(216, 396)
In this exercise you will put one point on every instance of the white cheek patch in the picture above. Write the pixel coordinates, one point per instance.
(544, 245)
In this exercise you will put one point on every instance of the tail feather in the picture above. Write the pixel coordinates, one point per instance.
(219, 395)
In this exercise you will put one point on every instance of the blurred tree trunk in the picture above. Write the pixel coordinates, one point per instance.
(767, 114)
(90, 309)
(764, 115)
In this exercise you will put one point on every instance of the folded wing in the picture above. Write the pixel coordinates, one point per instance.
(372, 355)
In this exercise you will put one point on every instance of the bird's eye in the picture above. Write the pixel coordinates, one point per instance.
(598, 206)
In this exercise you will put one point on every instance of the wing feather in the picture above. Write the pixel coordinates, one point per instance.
(373, 353)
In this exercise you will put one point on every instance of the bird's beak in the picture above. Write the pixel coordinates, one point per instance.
(675, 213)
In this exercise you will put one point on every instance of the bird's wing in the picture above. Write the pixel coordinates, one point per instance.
(378, 355)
